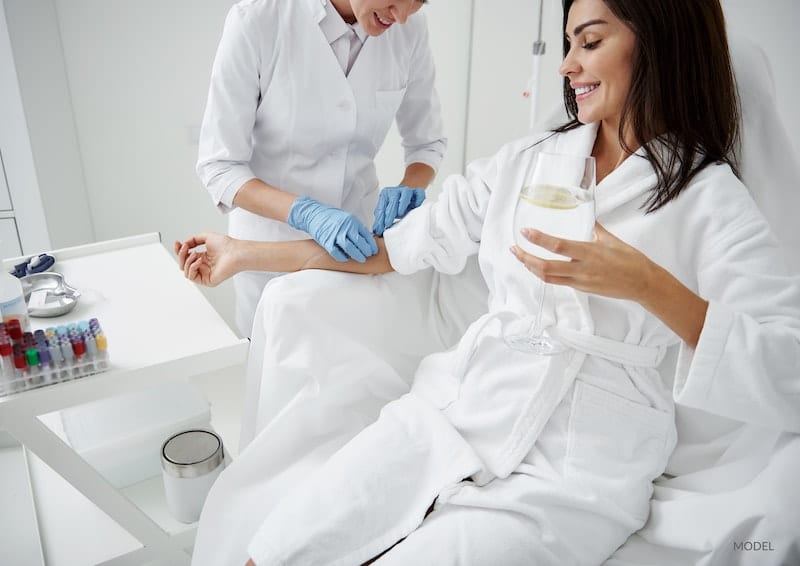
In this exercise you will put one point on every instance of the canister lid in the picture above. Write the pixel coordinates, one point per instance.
(191, 453)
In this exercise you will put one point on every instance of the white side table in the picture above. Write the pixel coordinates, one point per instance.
(159, 326)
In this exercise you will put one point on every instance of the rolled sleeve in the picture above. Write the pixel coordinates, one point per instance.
(419, 117)
(225, 146)
(444, 232)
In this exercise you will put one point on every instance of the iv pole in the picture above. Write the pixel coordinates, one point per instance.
(532, 90)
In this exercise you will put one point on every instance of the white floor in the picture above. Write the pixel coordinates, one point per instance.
(74, 532)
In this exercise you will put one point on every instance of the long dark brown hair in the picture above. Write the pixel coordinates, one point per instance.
(682, 105)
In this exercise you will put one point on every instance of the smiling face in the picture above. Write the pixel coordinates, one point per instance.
(599, 63)
(376, 16)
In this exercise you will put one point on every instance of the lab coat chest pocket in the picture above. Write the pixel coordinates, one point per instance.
(383, 112)
(616, 448)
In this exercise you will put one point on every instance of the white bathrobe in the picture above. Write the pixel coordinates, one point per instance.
(731, 481)
(562, 451)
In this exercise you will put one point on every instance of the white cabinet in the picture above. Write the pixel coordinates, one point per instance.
(9, 237)
(5, 196)
(23, 227)
(151, 315)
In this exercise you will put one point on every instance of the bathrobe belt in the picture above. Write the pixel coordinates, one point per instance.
(624, 353)
(469, 410)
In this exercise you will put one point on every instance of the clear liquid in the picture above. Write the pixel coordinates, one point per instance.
(562, 212)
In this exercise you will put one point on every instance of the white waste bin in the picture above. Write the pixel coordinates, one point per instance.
(190, 461)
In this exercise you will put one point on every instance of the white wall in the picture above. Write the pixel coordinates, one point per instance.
(36, 40)
(773, 26)
(506, 29)
(28, 222)
(138, 74)
(449, 23)
(502, 39)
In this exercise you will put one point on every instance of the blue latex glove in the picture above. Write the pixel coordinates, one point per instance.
(339, 232)
(394, 203)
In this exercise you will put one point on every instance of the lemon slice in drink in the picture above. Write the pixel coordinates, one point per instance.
(550, 196)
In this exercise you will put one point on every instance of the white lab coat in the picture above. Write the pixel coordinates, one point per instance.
(280, 109)
(472, 412)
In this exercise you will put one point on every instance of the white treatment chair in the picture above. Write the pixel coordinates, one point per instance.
(744, 508)
(330, 349)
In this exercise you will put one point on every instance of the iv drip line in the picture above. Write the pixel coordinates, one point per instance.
(532, 90)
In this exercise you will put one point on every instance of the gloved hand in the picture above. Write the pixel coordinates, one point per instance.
(339, 232)
(394, 203)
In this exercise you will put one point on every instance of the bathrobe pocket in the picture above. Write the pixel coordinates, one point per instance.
(616, 448)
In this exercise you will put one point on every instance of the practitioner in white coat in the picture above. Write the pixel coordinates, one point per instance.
(302, 95)
(503, 457)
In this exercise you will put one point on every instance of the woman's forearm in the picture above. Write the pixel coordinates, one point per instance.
(675, 305)
(224, 257)
(418, 176)
(258, 197)
(305, 254)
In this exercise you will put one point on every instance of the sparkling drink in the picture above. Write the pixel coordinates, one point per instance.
(564, 212)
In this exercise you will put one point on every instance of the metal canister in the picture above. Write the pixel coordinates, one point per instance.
(190, 461)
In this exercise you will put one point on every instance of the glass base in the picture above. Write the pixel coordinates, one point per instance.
(541, 345)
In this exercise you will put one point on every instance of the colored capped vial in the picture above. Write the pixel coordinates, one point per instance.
(91, 345)
(27, 339)
(78, 347)
(14, 329)
(55, 352)
(32, 357)
(20, 363)
(7, 360)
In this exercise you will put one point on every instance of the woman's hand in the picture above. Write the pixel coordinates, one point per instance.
(606, 266)
(609, 267)
(220, 260)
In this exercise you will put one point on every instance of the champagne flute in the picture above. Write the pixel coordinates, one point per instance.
(557, 198)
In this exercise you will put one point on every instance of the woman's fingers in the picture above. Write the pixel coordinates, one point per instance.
(187, 264)
(547, 270)
(198, 270)
(182, 249)
(193, 264)
(568, 248)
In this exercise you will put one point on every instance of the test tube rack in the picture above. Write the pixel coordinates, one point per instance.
(29, 360)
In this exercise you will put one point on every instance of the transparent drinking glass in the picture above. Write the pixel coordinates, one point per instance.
(557, 198)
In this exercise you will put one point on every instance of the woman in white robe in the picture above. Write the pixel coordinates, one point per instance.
(731, 482)
(560, 452)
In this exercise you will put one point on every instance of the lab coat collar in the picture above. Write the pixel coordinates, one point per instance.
(332, 24)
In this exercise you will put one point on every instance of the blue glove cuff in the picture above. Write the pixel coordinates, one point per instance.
(298, 212)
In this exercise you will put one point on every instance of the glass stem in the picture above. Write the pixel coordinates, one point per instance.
(537, 325)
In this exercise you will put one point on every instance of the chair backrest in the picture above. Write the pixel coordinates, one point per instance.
(768, 161)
